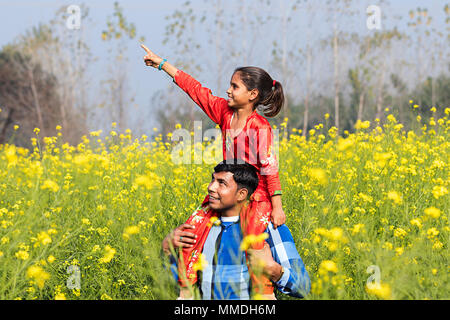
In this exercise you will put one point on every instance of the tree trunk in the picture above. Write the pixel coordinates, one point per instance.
(65, 96)
(121, 101)
(37, 105)
(218, 43)
(308, 86)
(8, 121)
(401, 112)
(433, 92)
(284, 58)
(336, 73)
(305, 116)
(361, 105)
(380, 91)
(244, 35)
(419, 67)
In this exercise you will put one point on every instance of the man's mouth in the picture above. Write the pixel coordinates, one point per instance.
(211, 198)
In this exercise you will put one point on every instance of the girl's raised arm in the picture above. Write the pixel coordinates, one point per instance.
(214, 107)
(153, 60)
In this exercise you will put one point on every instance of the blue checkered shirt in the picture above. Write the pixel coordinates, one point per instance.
(226, 276)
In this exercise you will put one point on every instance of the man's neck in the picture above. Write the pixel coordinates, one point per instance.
(234, 211)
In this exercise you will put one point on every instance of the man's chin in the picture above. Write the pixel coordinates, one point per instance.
(218, 207)
(214, 206)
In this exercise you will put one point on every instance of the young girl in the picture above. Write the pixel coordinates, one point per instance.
(246, 135)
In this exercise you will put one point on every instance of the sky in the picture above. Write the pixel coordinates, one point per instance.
(148, 16)
(18, 16)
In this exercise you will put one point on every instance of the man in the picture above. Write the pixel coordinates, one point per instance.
(223, 272)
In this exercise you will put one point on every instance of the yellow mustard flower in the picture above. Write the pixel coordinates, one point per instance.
(109, 253)
(38, 274)
(433, 212)
(381, 290)
(251, 239)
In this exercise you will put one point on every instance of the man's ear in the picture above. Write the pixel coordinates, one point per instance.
(242, 194)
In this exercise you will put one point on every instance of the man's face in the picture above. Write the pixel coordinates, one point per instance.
(223, 191)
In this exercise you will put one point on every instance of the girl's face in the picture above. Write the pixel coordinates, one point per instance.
(238, 95)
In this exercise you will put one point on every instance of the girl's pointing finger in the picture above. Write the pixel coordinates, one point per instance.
(145, 48)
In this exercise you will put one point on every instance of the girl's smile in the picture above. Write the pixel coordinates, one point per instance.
(238, 94)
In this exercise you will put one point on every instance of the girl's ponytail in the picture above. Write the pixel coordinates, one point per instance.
(270, 97)
(274, 101)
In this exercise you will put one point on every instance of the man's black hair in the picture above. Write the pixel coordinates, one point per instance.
(244, 174)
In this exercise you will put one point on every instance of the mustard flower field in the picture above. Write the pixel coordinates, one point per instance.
(368, 212)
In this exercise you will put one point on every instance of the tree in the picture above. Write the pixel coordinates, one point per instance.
(338, 39)
(441, 91)
(27, 93)
(367, 71)
(420, 23)
(284, 55)
(118, 32)
(67, 55)
(225, 48)
(64, 54)
(301, 56)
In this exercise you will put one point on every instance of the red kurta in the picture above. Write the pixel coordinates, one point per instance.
(254, 145)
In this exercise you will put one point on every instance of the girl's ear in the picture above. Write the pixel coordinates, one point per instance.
(254, 94)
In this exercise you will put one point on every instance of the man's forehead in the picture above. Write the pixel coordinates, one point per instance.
(225, 175)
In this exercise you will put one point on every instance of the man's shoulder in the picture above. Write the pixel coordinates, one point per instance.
(281, 233)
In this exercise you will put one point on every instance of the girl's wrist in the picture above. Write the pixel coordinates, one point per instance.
(276, 202)
(276, 207)
(161, 64)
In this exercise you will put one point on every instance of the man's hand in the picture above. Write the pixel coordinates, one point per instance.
(278, 217)
(150, 58)
(179, 238)
(185, 294)
(262, 261)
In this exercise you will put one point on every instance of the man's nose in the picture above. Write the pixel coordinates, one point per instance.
(212, 187)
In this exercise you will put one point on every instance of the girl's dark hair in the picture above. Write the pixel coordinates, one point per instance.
(271, 98)
(244, 173)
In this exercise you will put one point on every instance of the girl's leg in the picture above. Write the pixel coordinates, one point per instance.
(256, 219)
(200, 219)
(255, 222)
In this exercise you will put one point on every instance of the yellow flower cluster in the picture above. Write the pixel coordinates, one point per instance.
(108, 255)
(131, 230)
(381, 290)
(38, 275)
(252, 239)
(201, 263)
(375, 196)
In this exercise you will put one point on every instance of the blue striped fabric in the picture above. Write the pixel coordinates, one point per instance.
(226, 276)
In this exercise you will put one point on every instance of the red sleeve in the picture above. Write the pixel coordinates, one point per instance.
(268, 160)
(273, 184)
(214, 107)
